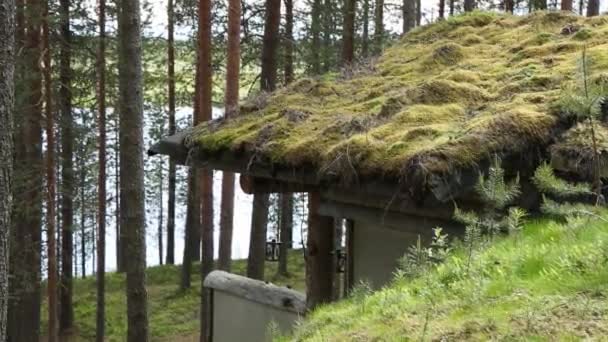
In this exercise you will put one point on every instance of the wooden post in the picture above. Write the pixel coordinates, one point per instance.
(320, 269)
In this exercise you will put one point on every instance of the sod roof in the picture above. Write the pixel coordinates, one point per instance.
(444, 97)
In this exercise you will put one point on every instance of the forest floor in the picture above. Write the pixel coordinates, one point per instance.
(546, 283)
(173, 314)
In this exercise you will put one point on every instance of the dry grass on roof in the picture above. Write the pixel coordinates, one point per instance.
(445, 96)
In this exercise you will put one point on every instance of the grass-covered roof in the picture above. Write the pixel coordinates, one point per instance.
(444, 97)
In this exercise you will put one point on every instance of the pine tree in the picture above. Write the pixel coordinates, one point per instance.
(101, 179)
(66, 311)
(25, 241)
(593, 8)
(171, 100)
(51, 182)
(289, 42)
(379, 26)
(7, 62)
(231, 99)
(348, 32)
(409, 15)
(131, 170)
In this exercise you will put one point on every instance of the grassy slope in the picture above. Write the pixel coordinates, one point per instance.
(549, 282)
(174, 315)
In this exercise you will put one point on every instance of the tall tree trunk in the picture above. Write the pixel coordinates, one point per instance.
(365, 34)
(51, 183)
(469, 5)
(409, 15)
(101, 180)
(285, 229)
(289, 41)
(268, 77)
(442, 9)
(160, 216)
(226, 222)
(328, 29)
(231, 107)
(257, 241)
(205, 111)
(171, 100)
(593, 8)
(133, 218)
(348, 34)
(192, 215)
(315, 28)
(566, 5)
(66, 311)
(510, 4)
(24, 295)
(83, 218)
(7, 67)
(379, 25)
(120, 261)
(452, 5)
(418, 12)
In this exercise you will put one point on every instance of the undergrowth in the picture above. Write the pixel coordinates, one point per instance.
(173, 314)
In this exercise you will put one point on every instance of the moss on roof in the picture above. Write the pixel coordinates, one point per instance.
(445, 96)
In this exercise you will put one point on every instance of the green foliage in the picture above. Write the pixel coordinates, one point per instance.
(419, 259)
(547, 182)
(493, 190)
(583, 100)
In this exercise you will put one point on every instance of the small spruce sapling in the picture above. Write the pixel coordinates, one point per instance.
(497, 195)
(563, 199)
(584, 104)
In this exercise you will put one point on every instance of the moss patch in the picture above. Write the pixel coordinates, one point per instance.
(445, 96)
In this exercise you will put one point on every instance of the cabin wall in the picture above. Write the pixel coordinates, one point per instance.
(239, 319)
(377, 247)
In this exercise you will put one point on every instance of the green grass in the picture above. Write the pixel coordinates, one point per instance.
(173, 314)
(548, 283)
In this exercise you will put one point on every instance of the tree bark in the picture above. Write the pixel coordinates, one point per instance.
(101, 180)
(133, 219)
(442, 9)
(566, 5)
(66, 311)
(469, 5)
(268, 77)
(172, 128)
(226, 222)
(257, 241)
(289, 41)
(51, 182)
(285, 229)
(365, 34)
(409, 15)
(24, 290)
(379, 26)
(328, 29)
(510, 4)
(315, 28)
(204, 74)
(348, 34)
(192, 215)
(7, 68)
(231, 106)
(160, 216)
(319, 247)
(593, 8)
(418, 12)
(83, 218)
(452, 7)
